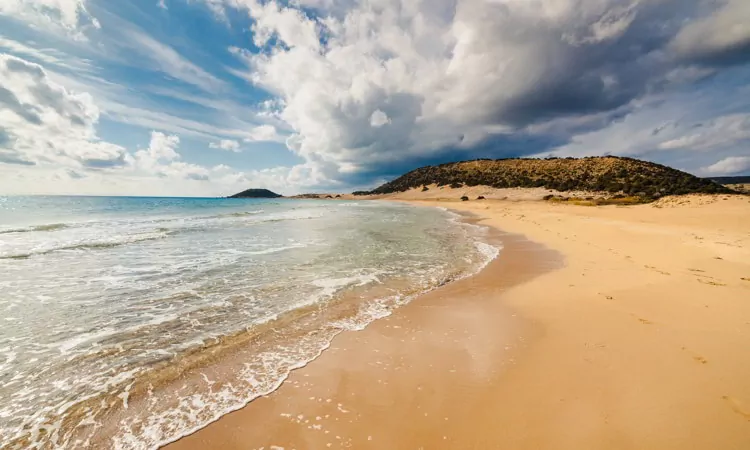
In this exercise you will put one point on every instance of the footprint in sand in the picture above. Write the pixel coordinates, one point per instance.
(696, 358)
(710, 283)
(704, 279)
(703, 276)
(737, 407)
(657, 270)
(644, 321)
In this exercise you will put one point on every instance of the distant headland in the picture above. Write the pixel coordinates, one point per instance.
(256, 193)
(599, 179)
(607, 174)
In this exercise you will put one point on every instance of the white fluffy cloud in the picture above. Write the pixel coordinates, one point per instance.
(721, 37)
(363, 88)
(43, 123)
(263, 133)
(374, 83)
(290, 25)
(226, 144)
(67, 15)
(48, 144)
(161, 150)
(378, 119)
(729, 166)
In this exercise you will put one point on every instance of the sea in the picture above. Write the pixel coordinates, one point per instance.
(129, 322)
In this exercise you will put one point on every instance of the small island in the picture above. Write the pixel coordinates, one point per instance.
(256, 193)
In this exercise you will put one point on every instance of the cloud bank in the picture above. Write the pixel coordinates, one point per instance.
(42, 122)
(356, 91)
(52, 130)
(377, 83)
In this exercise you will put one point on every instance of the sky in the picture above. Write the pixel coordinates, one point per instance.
(211, 97)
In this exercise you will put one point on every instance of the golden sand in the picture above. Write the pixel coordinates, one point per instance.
(641, 341)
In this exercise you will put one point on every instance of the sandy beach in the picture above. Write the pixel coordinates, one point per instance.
(597, 327)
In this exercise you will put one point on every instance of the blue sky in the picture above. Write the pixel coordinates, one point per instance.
(207, 97)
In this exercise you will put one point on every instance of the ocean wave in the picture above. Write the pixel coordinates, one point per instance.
(92, 245)
(159, 224)
(244, 213)
(222, 216)
(330, 286)
(277, 249)
(46, 227)
(63, 226)
(234, 215)
(268, 370)
(346, 294)
(260, 375)
(259, 221)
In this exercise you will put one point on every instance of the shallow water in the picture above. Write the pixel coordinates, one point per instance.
(102, 294)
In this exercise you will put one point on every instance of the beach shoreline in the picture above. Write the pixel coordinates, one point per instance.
(639, 341)
(472, 337)
(243, 328)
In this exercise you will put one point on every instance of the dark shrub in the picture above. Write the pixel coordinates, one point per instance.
(464, 198)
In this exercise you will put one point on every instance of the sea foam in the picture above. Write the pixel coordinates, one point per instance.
(116, 291)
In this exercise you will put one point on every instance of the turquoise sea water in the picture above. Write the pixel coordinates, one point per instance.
(100, 293)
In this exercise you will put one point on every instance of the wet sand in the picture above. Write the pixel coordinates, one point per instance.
(408, 380)
(640, 341)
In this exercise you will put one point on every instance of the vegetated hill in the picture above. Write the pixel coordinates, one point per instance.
(731, 180)
(611, 174)
(256, 193)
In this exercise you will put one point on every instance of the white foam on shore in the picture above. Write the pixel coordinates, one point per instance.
(331, 286)
(268, 251)
(271, 369)
(191, 413)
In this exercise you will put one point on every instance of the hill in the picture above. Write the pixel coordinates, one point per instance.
(615, 175)
(256, 193)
